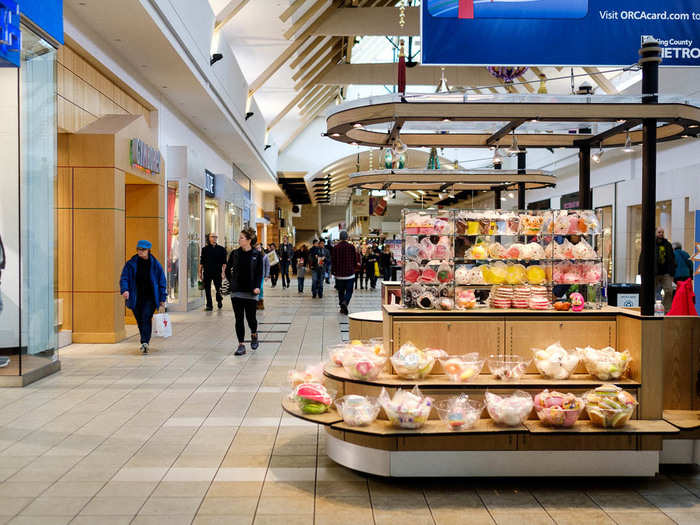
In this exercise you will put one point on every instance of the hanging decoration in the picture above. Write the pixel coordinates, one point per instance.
(443, 87)
(402, 14)
(506, 73)
(401, 81)
(388, 159)
(433, 160)
(370, 160)
(543, 84)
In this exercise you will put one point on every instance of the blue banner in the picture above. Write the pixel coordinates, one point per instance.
(45, 14)
(557, 32)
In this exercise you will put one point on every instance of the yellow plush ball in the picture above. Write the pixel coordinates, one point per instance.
(535, 275)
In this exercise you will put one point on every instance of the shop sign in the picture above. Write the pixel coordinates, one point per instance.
(10, 35)
(209, 183)
(557, 32)
(143, 156)
(360, 205)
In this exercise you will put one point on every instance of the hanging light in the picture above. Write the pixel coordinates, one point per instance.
(399, 147)
(514, 149)
(628, 144)
(497, 158)
(597, 155)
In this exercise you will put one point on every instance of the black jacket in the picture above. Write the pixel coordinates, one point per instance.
(212, 259)
(665, 260)
(285, 251)
(256, 271)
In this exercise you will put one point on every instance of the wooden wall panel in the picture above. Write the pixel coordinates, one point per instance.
(680, 354)
(99, 188)
(96, 269)
(98, 318)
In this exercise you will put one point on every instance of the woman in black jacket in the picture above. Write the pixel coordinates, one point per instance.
(244, 271)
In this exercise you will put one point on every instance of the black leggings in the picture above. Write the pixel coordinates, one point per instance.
(247, 307)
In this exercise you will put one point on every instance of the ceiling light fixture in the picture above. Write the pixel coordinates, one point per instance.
(446, 120)
(249, 114)
(628, 144)
(357, 125)
(595, 157)
(399, 147)
(497, 159)
(215, 58)
(514, 149)
(335, 134)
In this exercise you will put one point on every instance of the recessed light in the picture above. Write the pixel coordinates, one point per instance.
(353, 143)
(446, 120)
(357, 125)
(82, 3)
(335, 135)
(164, 87)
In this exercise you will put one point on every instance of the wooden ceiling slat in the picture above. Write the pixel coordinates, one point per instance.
(308, 69)
(303, 19)
(327, 67)
(303, 93)
(602, 81)
(289, 12)
(313, 91)
(305, 52)
(319, 96)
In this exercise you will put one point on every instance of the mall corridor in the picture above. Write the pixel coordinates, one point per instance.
(192, 434)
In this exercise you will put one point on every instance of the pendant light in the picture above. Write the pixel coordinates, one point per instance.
(628, 144)
(514, 149)
(597, 155)
(497, 159)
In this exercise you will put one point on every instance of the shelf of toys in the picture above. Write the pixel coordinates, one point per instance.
(536, 259)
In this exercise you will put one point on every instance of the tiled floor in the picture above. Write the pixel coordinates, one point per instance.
(192, 434)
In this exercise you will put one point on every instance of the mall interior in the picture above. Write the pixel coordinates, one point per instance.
(542, 217)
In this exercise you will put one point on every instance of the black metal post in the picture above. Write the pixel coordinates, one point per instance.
(584, 177)
(650, 54)
(497, 199)
(521, 185)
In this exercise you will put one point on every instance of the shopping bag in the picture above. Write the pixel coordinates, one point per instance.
(376, 269)
(225, 287)
(162, 326)
(272, 257)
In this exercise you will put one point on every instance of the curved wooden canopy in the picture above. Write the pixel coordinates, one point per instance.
(349, 125)
(446, 180)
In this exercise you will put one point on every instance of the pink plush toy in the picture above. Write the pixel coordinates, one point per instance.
(426, 249)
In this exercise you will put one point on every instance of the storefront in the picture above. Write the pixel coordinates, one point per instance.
(28, 306)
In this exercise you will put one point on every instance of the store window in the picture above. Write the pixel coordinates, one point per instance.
(38, 160)
(194, 240)
(605, 248)
(634, 233)
(211, 215)
(234, 225)
(173, 241)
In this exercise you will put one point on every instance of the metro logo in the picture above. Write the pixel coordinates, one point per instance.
(513, 9)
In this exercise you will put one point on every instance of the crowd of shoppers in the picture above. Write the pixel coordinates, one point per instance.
(245, 270)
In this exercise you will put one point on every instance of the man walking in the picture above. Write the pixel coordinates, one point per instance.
(211, 265)
(345, 261)
(326, 261)
(317, 256)
(664, 268)
(286, 254)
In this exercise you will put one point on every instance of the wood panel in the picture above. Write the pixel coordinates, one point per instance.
(98, 188)
(98, 313)
(681, 345)
(98, 250)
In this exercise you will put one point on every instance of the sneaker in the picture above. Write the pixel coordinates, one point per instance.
(4, 361)
(144, 348)
(220, 304)
(254, 344)
(240, 350)
(208, 308)
(343, 309)
(314, 296)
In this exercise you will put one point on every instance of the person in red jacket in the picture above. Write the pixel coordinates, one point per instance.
(345, 261)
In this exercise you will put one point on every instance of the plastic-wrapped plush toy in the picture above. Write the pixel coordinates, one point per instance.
(444, 273)
(513, 223)
(442, 226)
(462, 275)
(497, 273)
(312, 398)
(412, 223)
(515, 252)
(426, 225)
(358, 411)
(412, 248)
(547, 222)
(428, 275)
(561, 223)
(406, 409)
(465, 300)
(532, 252)
(507, 368)
(536, 274)
(412, 363)
(605, 364)
(310, 374)
(609, 406)
(479, 251)
(462, 368)
(583, 250)
(445, 303)
(363, 365)
(496, 251)
(554, 362)
(592, 273)
(476, 275)
(590, 221)
(531, 224)
(459, 413)
(411, 272)
(516, 274)
(425, 249)
(443, 249)
(557, 409)
(509, 410)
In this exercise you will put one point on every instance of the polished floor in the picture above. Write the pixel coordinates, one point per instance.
(192, 434)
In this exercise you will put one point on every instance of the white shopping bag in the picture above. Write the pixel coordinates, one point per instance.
(162, 326)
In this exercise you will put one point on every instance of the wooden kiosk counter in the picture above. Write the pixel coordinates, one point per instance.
(491, 450)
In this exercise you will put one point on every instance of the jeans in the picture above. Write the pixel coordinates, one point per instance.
(344, 287)
(143, 312)
(274, 274)
(284, 267)
(370, 279)
(387, 273)
(300, 280)
(216, 279)
(317, 277)
(247, 308)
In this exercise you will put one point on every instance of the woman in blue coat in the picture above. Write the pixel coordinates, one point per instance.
(143, 286)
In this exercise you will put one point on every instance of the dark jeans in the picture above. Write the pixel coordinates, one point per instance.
(317, 277)
(358, 278)
(247, 308)
(344, 287)
(386, 271)
(284, 267)
(274, 274)
(370, 279)
(143, 312)
(300, 280)
(216, 279)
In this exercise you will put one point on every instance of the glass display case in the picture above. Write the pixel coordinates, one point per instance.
(536, 259)
(173, 241)
(194, 241)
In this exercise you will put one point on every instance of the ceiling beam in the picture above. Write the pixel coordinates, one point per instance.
(322, 103)
(512, 125)
(304, 92)
(311, 92)
(228, 12)
(305, 52)
(316, 80)
(321, 50)
(287, 13)
(303, 126)
(386, 74)
(293, 47)
(600, 79)
(320, 95)
(375, 21)
(309, 69)
(526, 84)
(303, 19)
(598, 139)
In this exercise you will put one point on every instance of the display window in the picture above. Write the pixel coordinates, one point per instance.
(634, 234)
(194, 240)
(605, 217)
(234, 217)
(173, 241)
(211, 215)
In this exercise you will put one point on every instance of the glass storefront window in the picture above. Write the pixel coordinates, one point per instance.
(634, 235)
(39, 336)
(173, 241)
(211, 215)
(605, 216)
(194, 240)
(233, 226)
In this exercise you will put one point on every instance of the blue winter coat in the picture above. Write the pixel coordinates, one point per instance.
(127, 283)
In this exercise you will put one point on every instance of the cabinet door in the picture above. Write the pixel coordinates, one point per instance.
(422, 333)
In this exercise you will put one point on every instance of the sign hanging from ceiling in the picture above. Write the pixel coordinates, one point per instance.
(557, 32)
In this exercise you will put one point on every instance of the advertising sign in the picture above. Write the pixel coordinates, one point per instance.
(209, 183)
(696, 261)
(557, 32)
(144, 157)
(359, 204)
(10, 36)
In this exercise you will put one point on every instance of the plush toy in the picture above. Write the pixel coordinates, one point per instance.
(576, 302)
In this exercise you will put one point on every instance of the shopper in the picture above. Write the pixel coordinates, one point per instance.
(143, 286)
(359, 272)
(370, 261)
(345, 262)
(684, 266)
(326, 260)
(266, 274)
(244, 271)
(664, 268)
(386, 261)
(286, 255)
(211, 265)
(301, 258)
(317, 262)
(274, 259)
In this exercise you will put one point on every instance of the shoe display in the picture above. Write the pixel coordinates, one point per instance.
(254, 344)
(240, 350)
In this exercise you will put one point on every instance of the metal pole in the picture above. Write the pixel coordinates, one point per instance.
(584, 177)
(521, 185)
(497, 199)
(650, 54)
